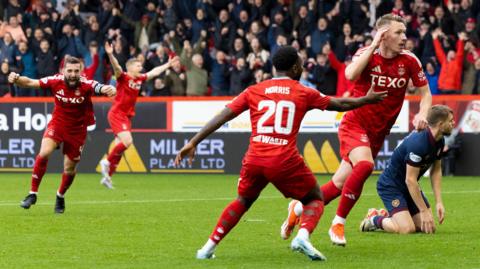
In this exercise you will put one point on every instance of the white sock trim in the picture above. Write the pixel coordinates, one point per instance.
(303, 233)
(209, 246)
(298, 209)
(339, 219)
(33, 192)
(60, 195)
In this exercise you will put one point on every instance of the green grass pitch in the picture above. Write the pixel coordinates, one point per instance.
(159, 221)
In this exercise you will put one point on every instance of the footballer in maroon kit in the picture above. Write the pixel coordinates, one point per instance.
(123, 108)
(277, 107)
(72, 113)
(386, 65)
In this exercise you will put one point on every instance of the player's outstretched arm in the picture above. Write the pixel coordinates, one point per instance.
(344, 104)
(426, 217)
(216, 122)
(420, 120)
(23, 81)
(436, 180)
(155, 72)
(108, 90)
(117, 69)
(353, 70)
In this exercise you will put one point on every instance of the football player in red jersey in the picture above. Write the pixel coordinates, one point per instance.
(277, 107)
(362, 131)
(123, 108)
(72, 113)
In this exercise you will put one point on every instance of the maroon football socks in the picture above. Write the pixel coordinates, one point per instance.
(38, 171)
(353, 187)
(115, 156)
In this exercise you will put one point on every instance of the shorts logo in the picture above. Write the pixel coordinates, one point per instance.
(364, 138)
(124, 126)
(395, 203)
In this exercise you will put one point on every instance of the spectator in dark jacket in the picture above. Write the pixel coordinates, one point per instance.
(219, 78)
(345, 44)
(160, 88)
(159, 58)
(199, 23)
(38, 36)
(442, 20)
(25, 62)
(92, 32)
(169, 15)
(240, 77)
(46, 61)
(320, 36)
(238, 50)
(7, 48)
(66, 42)
(257, 31)
(5, 86)
(302, 23)
(224, 31)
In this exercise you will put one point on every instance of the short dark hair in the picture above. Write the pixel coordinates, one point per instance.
(285, 58)
(72, 60)
(438, 113)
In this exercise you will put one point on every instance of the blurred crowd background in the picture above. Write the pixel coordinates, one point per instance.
(225, 46)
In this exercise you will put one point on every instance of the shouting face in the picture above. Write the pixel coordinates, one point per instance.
(71, 72)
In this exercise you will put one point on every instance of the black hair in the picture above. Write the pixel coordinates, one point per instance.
(285, 58)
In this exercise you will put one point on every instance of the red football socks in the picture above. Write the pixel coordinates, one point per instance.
(115, 156)
(229, 218)
(38, 171)
(353, 187)
(66, 182)
(330, 192)
(311, 215)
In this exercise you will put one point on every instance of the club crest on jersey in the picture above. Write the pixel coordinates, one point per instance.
(401, 70)
(61, 92)
(77, 92)
(395, 203)
(134, 85)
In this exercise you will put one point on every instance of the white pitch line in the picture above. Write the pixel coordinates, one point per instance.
(90, 202)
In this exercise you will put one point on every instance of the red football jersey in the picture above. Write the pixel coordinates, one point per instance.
(391, 75)
(277, 108)
(73, 107)
(128, 89)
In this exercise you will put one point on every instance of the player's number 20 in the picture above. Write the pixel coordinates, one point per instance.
(278, 109)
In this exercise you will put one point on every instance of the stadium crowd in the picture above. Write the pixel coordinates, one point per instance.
(224, 46)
